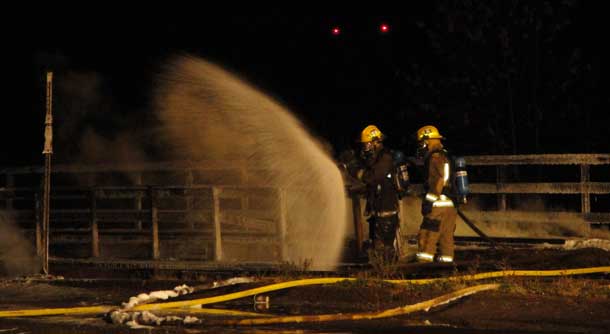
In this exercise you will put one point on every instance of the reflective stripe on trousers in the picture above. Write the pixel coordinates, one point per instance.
(445, 258)
(443, 202)
(424, 257)
(384, 214)
(431, 197)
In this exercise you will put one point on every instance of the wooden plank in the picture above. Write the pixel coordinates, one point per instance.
(525, 216)
(95, 238)
(539, 159)
(500, 177)
(358, 226)
(138, 199)
(131, 167)
(244, 240)
(81, 233)
(585, 202)
(216, 219)
(128, 192)
(154, 224)
(250, 225)
(189, 180)
(531, 188)
(541, 188)
(252, 213)
(237, 165)
(598, 217)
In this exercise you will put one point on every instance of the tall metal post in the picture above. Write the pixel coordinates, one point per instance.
(46, 191)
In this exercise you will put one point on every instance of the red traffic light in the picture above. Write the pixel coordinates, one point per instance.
(384, 27)
(335, 31)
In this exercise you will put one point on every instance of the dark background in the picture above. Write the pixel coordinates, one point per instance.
(496, 77)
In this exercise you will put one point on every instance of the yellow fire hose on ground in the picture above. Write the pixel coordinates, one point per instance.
(402, 310)
(317, 281)
(215, 311)
(253, 319)
(291, 284)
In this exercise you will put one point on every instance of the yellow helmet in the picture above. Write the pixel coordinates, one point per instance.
(370, 133)
(428, 132)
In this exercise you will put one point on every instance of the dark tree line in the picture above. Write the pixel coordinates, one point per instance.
(502, 77)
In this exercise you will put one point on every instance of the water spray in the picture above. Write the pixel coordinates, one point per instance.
(208, 114)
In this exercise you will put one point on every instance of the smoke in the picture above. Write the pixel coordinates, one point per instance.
(530, 218)
(600, 234)
(16, 253)
(90, 127)
(125, 148)
(207, 113)
(410, 215)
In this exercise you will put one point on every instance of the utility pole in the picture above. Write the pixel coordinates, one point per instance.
(46, 186)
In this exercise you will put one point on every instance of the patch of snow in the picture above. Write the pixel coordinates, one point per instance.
(119, 317)
(546, 245)
(188, 320)
(147, 319)
(135, 325)
(157, 295)
(587, 243)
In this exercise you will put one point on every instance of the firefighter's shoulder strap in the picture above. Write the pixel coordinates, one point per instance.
(429, 155)
(448, 169)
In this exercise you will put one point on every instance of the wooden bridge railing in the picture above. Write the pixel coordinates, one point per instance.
(498, 186)
(585, 188)
(213, 210)
(151, 211)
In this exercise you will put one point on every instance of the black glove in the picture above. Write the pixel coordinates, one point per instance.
(426, 207)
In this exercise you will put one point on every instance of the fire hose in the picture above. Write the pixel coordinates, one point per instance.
(476, 229)
(291, 284)
(402, 310)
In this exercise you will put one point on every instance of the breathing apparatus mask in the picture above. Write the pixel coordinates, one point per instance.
(424, 134)
(369, 150)
(422, 148)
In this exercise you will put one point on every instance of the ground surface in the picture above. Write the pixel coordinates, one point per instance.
(522, 305)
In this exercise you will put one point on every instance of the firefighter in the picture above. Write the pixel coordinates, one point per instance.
(438, 209)
(378, 171)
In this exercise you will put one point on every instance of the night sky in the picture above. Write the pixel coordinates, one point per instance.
(500, 77)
